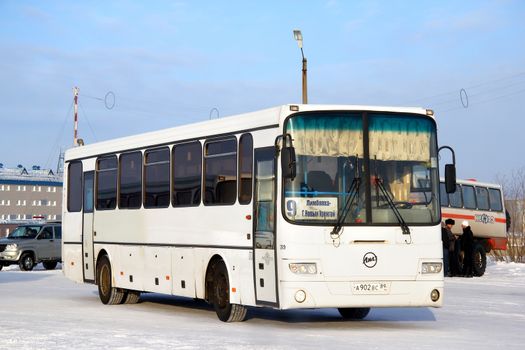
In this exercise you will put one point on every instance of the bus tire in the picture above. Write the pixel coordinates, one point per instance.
(50, 265)
(108, 294)
(219, 295)
(354, 313)
(27, 262)
(479, 260)
(131, 297)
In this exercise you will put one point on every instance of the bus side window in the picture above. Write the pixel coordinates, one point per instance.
(220, 171)
(495, 199)
(469, 198)
(130, 180)
(455, 198)
(443, 196)
(106, 183)
(74, 188)
(482, 198)
(245, 168)
(157, 178)
(187, 174)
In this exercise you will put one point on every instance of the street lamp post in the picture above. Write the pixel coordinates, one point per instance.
(299, 37)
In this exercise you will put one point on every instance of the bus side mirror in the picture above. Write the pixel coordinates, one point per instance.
(288, 165)
(450, 178)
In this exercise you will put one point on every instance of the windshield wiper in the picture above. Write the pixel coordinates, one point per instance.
(351, 195)
(399, 217)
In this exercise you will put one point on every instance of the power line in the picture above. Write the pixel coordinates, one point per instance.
(57, 140)
(471, 87)
(487, 100)
(88, 123)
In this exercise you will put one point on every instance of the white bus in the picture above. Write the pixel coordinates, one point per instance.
(298, 206)
(482, 205)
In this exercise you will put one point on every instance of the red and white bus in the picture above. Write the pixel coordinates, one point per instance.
(482, 205)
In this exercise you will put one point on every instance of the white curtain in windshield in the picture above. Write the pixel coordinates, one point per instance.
(400, 139)
(332, 137)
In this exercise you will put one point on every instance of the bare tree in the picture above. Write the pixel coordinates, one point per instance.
(514, 192)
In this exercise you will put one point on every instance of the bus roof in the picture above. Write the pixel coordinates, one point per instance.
(474, 183)
(266, 118)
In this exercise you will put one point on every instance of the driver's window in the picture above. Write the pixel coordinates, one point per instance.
(47, 233)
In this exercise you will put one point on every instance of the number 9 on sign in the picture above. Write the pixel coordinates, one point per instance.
(291, 208)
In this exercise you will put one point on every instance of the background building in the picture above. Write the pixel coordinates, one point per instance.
(27, 195)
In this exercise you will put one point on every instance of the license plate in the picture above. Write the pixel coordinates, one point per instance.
(371, 287)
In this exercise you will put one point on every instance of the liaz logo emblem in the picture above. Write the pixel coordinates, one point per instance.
(370, 260)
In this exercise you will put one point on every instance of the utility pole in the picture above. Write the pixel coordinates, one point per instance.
(305, 91)
(75, 130)
(299, 37)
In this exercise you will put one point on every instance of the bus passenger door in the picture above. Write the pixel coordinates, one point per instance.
(87, 227)
(264, 227)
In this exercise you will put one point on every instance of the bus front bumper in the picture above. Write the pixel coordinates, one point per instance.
(320, 294)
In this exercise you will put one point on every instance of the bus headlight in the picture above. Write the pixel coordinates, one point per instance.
(431, 267)
(303, 268)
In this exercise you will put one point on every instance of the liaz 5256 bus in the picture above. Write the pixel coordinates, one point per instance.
(298, 206)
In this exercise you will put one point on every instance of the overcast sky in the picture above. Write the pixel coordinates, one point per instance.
(171, 62)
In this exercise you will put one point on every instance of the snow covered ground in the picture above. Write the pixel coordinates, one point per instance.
(43, 310)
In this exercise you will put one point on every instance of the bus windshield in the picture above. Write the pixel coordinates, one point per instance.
(346, 171)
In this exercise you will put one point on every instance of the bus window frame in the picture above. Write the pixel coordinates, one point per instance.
(172, 169)
(475, 199)
(476, 195)
(144, 165)
(98, 170)
(239, 178)
(68, 198)
(500, 200)
(203, 170)
(459, 190)
(141, 179)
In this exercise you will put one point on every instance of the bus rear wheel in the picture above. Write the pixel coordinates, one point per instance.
(131, 297)
(219, 295)
(357, 313)
(108, 294)
(479, 260)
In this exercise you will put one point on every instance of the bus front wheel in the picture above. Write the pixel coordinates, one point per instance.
(219, 295)
(479, 260)
(108, 294)
(357, 313)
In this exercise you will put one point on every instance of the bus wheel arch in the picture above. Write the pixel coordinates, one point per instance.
(217, 291)
(100, 254)
(208, 280)
(108, 294)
